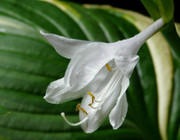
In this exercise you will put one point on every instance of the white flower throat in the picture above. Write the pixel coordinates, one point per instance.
(96, 104)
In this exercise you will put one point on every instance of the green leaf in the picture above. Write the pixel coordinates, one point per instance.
(160, 8)
(174, 119)
(166, 8)
(174, 41)
(3, 111)
(175, 109)
(152, 8)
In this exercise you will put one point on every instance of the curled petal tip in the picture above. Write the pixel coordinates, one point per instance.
(50, 100)
(45, 97)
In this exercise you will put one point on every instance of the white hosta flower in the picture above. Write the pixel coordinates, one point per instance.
(99, 72)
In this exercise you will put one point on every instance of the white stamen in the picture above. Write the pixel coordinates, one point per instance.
(73, 124)
(97, 101)
(98, 108)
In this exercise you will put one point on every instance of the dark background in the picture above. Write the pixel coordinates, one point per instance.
(134, 5)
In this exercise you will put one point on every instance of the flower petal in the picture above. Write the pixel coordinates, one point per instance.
(86, 64)
(67, 47)
(126, 64)
(108, 97)
(58, 92)
(119, 112)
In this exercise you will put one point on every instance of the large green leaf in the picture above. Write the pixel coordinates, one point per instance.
(152, 8)
(3, 110)
(160, 8)
(174, 119)
(28, 64)
(166, 8)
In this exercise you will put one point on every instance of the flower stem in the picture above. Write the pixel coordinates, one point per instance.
(149, 31)
(138, 40)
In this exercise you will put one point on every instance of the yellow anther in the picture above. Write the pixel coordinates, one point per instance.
(84, 111)
(108, 67)
(78, 107)
(92, 98)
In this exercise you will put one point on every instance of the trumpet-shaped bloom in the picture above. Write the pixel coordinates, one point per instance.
(99, 72)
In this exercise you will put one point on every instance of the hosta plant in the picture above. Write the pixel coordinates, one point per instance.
(29, 63)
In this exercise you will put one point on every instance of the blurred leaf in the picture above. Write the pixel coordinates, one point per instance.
(152, 8)
(174, 121)
(2, 138)
(166, 8)
(173, 39)
(171, 35)
(177, 26)
(3, 110)
(160, 8)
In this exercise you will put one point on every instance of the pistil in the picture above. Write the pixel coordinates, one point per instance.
(73, 124)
